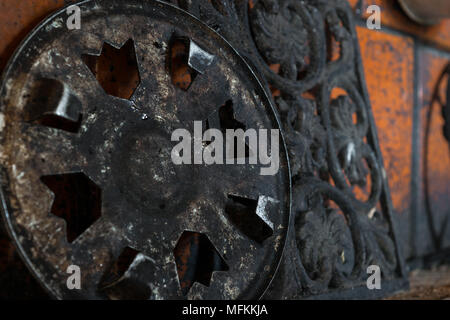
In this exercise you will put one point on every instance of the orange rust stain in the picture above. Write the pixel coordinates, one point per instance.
(309, 95)
(333, 49)
(393, 16)
(336, 92)
(275, 92)
(181, 74)
(182, 253)
(275, 68)
(434, 146)
(388, 65)
(362, 193)
(353, 3)
(17, 19)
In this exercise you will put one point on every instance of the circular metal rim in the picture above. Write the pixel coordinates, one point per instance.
(5, 210)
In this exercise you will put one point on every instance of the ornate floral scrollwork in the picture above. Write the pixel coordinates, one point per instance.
(276, 41)
(330, 142)
(348, 140)
(281, 34)
(353, 159)
(334, 228)
(331, 139)
(325, 247)
(305, 136)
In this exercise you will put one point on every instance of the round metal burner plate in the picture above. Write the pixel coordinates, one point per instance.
(88, 181)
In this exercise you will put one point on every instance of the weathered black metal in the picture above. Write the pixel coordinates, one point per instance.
(115, 162)
(332, 142)
(325, 113)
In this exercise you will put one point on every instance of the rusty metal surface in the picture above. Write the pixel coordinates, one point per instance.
(63, 121)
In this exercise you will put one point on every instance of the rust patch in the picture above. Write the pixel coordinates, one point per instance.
(388, 66)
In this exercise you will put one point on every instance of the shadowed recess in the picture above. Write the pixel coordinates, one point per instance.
(119, 267)
(181, 73)
(242, 213)
(196, 260)
(51, 103)
(225, 119)
(121, 281)
(115, 69)
(77, 200)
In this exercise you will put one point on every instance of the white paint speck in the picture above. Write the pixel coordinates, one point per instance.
(2, 121)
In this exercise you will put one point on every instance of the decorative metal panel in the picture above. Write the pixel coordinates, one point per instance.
(308, 56)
